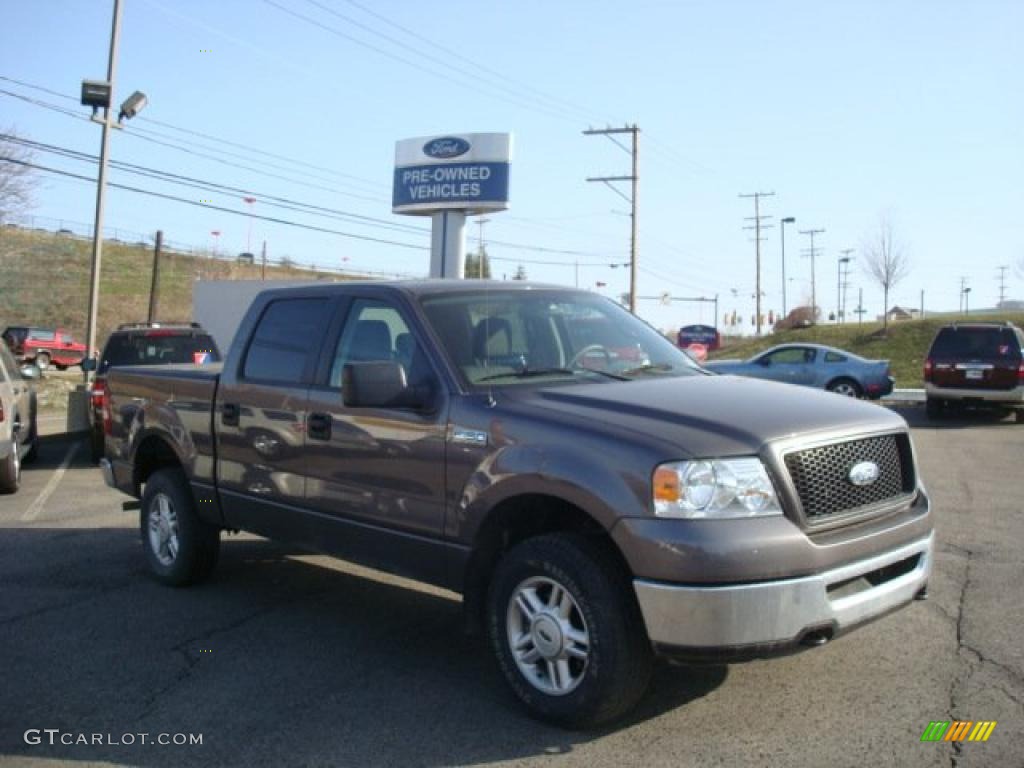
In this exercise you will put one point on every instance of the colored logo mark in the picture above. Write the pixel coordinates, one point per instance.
(449, 146)
(958, 730)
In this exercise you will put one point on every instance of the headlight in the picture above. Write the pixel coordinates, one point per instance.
(714, 489)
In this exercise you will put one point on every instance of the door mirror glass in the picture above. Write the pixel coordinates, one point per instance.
(89, 364)
(377, 384)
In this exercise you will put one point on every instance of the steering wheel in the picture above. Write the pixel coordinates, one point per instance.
(588, 350)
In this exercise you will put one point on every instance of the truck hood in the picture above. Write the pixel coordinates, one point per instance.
(710, 415)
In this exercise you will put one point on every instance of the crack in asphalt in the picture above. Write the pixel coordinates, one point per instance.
(192, 660)
(80, 599)
(962, 651)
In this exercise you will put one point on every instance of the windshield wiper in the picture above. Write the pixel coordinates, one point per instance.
(526, 373)
(648, 367)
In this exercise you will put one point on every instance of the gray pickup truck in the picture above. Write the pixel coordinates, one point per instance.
(597, 498)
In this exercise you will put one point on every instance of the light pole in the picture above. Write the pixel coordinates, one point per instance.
(839, 287)
(967, 300)
(782, 227)
(100, 95)
(248, 238)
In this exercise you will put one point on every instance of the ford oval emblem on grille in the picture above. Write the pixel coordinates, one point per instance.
(864, 473)
(444, 148)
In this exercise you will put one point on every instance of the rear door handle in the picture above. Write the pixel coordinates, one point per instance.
(229, 414)
(318, 426)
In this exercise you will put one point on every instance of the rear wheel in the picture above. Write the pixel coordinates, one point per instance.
(1019, 415)
(10, 471)
(845, 387)
(567, 632)
(43, 360)
(180, 548)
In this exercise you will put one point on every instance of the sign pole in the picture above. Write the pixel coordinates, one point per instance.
(448, 244)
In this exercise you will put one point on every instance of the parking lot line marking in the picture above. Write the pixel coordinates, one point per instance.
(44, 495)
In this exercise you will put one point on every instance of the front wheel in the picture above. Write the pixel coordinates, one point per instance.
(43, 360)
(845, 387)
(567, 631)
(181, 549)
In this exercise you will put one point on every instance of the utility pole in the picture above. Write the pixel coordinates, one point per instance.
(1002, 284)
(154, 286)
(634, 178)
(860, 306)
(782, 228)
(844, 263)
(757, 225)
(921, 313)
(480, 253)
(963, 282)
(101, 186)
(813, 253)
(263, 262)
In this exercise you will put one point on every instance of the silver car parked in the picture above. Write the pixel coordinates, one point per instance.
(19, 437)
(815, 365)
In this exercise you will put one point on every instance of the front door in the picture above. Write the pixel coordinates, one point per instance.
(379, 467)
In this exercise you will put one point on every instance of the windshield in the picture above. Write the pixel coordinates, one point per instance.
(158, 349)
(512, 337)
(976, 343)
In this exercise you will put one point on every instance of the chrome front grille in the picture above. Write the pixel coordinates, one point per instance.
(821, 475)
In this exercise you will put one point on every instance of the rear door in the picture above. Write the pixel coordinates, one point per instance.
(975, 357)
(261, 411)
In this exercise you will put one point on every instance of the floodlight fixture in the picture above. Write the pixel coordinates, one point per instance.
(131, 106)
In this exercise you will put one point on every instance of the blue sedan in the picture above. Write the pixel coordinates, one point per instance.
(814, 365)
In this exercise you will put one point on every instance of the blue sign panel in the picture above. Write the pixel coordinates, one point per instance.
(451, 185)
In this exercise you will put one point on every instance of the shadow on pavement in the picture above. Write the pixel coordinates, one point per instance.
(965, 418)
(276, 661)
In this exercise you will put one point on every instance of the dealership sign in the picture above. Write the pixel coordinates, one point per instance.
(466, 172)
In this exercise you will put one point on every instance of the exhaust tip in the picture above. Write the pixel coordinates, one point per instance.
(816, 637)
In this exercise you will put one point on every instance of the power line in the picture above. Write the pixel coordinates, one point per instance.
(200, 134)
(222, 209)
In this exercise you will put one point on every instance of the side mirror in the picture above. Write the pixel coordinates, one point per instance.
(377, 384)
(88, 364)
(31, 371)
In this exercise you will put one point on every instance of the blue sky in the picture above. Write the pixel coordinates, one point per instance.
(847, 111)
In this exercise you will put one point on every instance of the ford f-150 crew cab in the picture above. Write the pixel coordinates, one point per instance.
(594, 509)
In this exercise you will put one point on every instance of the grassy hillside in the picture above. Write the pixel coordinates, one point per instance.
(905, 346)
(44, 280)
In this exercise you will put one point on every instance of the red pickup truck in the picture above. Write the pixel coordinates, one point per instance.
(44, 346)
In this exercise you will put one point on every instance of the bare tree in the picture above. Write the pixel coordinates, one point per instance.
(885, 261)
(16, 179)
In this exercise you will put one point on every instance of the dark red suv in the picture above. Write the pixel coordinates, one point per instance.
(975, 363)
(145, 344)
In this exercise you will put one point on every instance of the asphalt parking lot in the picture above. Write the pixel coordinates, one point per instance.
(291, 659)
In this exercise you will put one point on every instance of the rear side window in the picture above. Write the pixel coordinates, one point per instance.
(158, 348)
(976, 343)
(286, 339)
(833, 357)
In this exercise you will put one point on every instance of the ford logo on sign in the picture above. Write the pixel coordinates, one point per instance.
(864, 473)
(447, 147)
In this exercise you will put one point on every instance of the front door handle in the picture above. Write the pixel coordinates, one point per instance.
(318, 426)
(229, 414)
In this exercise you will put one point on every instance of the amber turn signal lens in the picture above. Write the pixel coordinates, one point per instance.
(666, 485)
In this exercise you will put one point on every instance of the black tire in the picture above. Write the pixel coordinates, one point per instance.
(1019, 415)
(60, 366)
(847, 387)
(197, 542)
(42, 360)
(933, 407)
(10, 471)
(96, 445)
(33, 449)
(619, 659)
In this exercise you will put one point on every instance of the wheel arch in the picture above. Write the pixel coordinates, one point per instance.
(515, 519)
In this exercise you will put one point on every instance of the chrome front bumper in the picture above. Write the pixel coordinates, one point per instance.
(779, 614)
